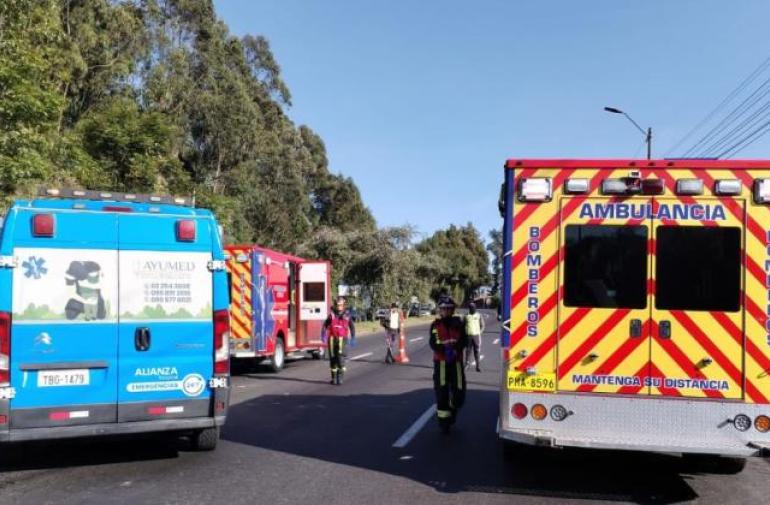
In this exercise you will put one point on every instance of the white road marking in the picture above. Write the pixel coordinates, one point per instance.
(415, 339)
(415, 428)
(364, 355)
(496, 341)
(481, 358)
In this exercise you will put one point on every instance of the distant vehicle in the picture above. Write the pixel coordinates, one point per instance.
(426, 310)
(635, 305)
(279, 303)
(113, 318)
(414, 310)
(381, 313)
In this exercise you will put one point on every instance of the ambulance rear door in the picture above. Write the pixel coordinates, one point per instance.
(313, 287)
(603, 307)
(698, 310)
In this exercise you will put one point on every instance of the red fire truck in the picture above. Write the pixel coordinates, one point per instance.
(278, 304)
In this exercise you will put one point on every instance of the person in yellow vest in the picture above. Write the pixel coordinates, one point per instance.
(474, 327)
(392, 323)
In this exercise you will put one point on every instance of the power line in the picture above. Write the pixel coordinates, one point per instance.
(746, 141)
(746, 81)
(735, 114)
(754, 119)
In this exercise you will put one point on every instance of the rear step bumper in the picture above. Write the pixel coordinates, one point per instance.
(636, 424)
(95, 430)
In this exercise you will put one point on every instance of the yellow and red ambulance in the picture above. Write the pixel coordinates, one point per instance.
(636, 299)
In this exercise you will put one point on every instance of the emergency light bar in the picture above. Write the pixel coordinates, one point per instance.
(689, 187)
(576, 186)
(87, 194)
(728, 187)
(632, 186)
(762, 190)
(536, 189)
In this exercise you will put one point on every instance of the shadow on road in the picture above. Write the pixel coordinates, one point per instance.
(359, 430)
(88, 451)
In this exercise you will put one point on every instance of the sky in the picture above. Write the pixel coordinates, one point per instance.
(421, 102)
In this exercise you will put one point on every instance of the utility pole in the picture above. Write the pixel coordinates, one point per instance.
(647, 134)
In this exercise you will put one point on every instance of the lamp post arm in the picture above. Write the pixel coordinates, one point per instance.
(635, 124)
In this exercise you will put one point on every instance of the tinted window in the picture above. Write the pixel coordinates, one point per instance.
(698, 268)
(605, 266)
(314, 292)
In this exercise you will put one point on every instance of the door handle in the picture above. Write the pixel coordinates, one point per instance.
(635, 328)
(664, 329)
(142, 339)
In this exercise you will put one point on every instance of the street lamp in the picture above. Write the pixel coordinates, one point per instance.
(647, 134)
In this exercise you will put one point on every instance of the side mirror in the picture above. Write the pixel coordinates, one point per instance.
(501, 201)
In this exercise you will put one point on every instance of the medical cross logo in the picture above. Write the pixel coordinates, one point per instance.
(34, 267)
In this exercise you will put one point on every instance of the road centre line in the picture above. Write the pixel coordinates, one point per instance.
(415, 428)
(364, 355)
(496, 341)
(415, 339)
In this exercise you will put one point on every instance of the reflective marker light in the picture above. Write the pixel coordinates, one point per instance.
(535, 189)
(728, 187)
(559, 413)
(576, 186)
(519, 411)
(742, 422)
(762, 191)
(43, 225)
(762, 424)
(689, 187)
(539, 412)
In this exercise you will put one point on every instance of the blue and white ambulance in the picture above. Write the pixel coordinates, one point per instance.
(113, 318)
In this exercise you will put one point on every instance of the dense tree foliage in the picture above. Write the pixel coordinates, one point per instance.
(158, 96)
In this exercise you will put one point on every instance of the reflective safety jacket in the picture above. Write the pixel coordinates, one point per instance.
(448, 339)
(339, 325)
(474, 324)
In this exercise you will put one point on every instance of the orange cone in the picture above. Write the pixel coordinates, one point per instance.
(402, 357)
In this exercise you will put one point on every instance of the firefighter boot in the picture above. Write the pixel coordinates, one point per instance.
(339, 377)
(334, 378)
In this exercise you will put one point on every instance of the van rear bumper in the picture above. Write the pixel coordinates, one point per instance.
(95, 430)
(634, 423)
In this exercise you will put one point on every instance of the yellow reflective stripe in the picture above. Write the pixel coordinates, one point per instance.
(443, 414)
(441, 373)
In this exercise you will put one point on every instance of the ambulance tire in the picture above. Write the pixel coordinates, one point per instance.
(316, 354)
(278, 360)
(205, 440)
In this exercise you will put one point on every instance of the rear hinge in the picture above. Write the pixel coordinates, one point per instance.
(9, 262)
(7, 393)
(216, 266)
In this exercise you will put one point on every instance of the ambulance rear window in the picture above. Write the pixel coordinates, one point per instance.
(314, 292)
(605, 266)
(698, 268)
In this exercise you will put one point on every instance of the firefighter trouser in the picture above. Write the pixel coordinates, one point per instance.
(449, 384)
(337, 353)
(474, 342)
(391, 337)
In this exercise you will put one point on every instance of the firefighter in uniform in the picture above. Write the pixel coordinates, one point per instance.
(448, 341)
(474, 327)
(338, 331)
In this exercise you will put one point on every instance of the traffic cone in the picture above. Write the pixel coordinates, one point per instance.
(402, 357)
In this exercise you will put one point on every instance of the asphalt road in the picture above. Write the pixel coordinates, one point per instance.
(293, 438)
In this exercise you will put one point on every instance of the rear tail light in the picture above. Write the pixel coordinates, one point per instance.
(185, 230)
(559, 413)
(539, 412)
(5, 348)
(221, 342)
(762, 424)
(43, 225)
(519, 411)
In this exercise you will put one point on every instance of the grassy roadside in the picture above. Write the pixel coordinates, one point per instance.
(369, 327)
